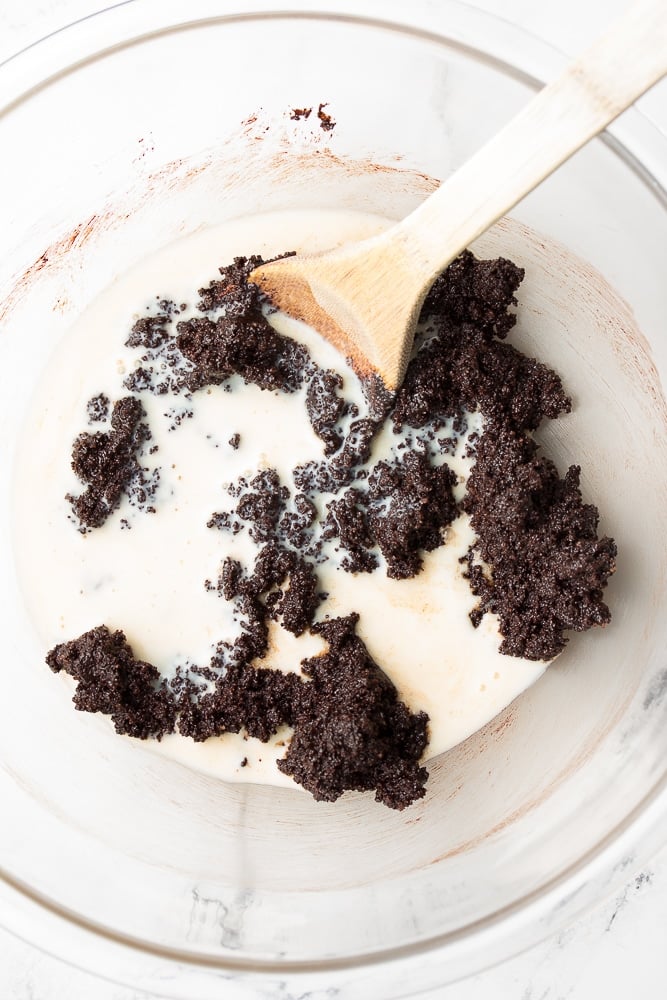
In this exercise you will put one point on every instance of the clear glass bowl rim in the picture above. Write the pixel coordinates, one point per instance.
(643, 147)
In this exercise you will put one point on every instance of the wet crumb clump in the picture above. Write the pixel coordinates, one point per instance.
(224, 521)
(229, 336)
(107, 462)
(282, 586)
(344, 467)
(543, 567)
(378, 398)
(150, 331)
(295, 525)
(234, 336)
(458, 369)
(255, 700)
(111, 680)
(325, 407)
(477, 293)
(295, 606)
(97, 408)
(351, 731)
(413, 503)
(347, 521)
(261, 504)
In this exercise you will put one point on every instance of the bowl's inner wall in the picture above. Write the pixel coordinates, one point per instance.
(214, 868)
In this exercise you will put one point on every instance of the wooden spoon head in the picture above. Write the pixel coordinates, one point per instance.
(289, 290)
(339, 297)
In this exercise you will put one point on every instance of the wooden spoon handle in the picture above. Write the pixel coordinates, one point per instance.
(595, 88)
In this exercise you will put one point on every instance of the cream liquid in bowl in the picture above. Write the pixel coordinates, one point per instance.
(145, 573)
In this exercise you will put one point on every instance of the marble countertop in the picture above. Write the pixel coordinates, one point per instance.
(615, 950)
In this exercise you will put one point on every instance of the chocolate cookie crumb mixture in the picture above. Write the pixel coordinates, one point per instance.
(325, 408)
(110, 680)
(239, 340)
(379, 497)
(419, 504)
(548, 566)
(350, 729)
(107, 462)
(351, 732)
(98, 408)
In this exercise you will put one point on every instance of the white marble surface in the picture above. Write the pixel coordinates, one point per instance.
(615, 951)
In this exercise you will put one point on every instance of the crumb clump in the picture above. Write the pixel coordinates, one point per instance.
(351, 731)
(301, 114)
(549, 566)
(106, 461)
(413, 504)
(97, 408)
(111, 680)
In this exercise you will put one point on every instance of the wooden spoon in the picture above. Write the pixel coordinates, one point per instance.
(366, 297)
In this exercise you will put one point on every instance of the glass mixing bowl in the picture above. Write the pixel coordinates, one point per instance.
(145, 123)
